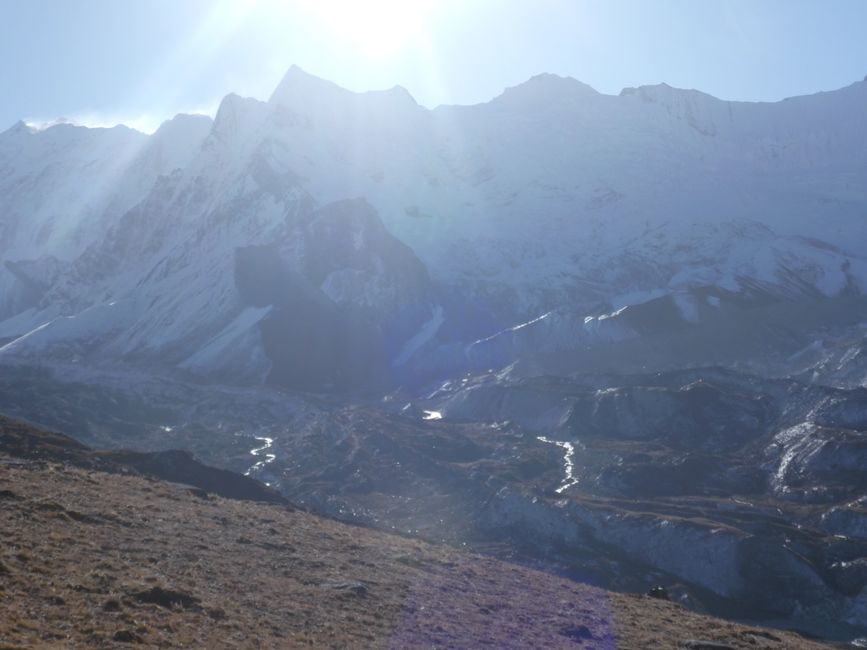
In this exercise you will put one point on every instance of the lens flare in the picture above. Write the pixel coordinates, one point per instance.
(377, 28)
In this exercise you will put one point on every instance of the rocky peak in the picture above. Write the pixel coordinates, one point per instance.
(19, 128)
(297, 86)
(234, 115)
(546, 90)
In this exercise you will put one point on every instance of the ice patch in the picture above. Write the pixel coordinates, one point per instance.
(224, 343)
(601, 317)
(530, 322)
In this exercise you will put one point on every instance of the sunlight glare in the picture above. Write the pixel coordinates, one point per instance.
(378, 28)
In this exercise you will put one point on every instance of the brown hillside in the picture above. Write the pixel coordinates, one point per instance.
(93, 558)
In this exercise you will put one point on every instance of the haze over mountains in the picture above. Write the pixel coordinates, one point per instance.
(398, 310)
(549, 198)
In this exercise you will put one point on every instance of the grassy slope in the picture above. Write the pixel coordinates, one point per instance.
(98, 559)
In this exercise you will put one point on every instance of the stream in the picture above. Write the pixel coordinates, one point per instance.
(568, 463)
(263, 454)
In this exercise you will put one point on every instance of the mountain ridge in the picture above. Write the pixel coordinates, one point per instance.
(297, 74)
(591, 203)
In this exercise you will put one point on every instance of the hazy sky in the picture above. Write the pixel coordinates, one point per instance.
(140, 61)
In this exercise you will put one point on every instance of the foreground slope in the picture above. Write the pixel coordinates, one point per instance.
(107, 559)
(744, 496)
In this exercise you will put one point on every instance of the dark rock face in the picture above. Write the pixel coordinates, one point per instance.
(349, 235)
(345, 295)
(261, 277)
(318, 349)
(312, 343)
(697, 415)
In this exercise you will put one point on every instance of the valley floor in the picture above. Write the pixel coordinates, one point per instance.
(99, 559)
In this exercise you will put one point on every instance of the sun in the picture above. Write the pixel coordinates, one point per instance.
(377, 28)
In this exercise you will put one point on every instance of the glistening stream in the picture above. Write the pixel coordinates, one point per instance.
(568, 463)
(263, 454)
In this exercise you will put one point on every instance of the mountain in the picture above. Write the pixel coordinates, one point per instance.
(618, 337)
(549, 198)
(61, 187)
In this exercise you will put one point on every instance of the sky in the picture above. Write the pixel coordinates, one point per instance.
(102, 62)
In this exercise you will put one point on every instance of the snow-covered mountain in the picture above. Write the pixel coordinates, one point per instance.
(617, 335)
(61, 188)
(553, 192)
(249, 245)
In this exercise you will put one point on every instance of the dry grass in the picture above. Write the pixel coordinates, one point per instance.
(89, 559)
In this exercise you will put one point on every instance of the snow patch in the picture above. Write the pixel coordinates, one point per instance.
(225, 344)
(87, 326)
